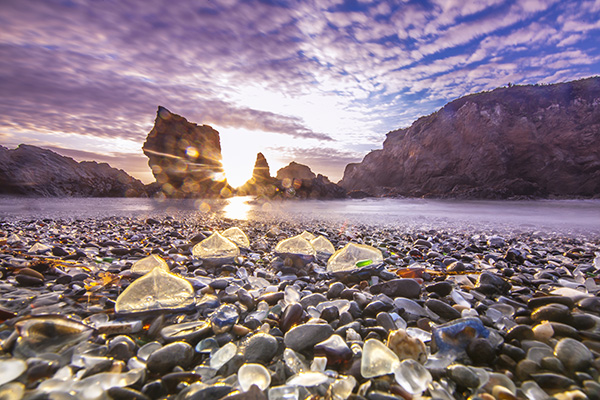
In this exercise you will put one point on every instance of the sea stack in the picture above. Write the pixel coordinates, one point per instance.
(185, 158)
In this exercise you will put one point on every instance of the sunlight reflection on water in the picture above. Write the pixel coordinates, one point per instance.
(237, 208)
(545, 215)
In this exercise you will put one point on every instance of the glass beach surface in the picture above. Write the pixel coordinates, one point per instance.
(136, 298)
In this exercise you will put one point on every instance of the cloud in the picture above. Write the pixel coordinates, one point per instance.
(315, 72)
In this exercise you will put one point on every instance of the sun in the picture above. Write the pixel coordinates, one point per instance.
(239, 155)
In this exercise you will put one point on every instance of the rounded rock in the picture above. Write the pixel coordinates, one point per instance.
(260, 348)
(573, 354)
(166, 358)
(307, 335)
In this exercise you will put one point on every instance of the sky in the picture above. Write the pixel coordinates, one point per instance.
(318, 82)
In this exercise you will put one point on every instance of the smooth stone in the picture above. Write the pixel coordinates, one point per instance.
(552, 364)
(330, 313)
(525, 368)
(481, 351)
(124, 393)
(335, 289)
(442, 309)
(312, 300)
(442, 289)
(552, 381)
(200, 391)
(260, 348)
(564, 330)
(520, 332)
(590, 304)
(488, 279)
(307, 335)
(292, 315)
(552, 312)
(464, 376)
(385, 320)
(254, 393)
(407, 287)
(574, 355)
(537, 302)
(166, 358)
(28, 280)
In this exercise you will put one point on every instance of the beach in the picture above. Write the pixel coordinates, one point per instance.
(449, 312)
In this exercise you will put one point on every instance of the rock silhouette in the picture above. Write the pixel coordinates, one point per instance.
(185, 158)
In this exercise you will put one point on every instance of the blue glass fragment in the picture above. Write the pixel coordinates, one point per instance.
(454, 336)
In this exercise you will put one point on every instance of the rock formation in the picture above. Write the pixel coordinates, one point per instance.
(262, 184)
(185, 158)
(295, 171)
(533, 141)
(33, 171)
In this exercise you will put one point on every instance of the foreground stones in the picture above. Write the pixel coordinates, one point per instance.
(432, 314)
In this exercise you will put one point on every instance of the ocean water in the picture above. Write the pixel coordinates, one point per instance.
(566, 216)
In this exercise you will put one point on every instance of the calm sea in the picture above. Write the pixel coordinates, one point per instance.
(564, 216)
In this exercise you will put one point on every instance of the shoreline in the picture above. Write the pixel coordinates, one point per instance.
(431, 279)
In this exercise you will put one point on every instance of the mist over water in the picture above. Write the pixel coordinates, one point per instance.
(561, 216)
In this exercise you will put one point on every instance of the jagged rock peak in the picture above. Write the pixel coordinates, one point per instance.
(261, 171)
(185, 158)
(533, 141)
(295, 170)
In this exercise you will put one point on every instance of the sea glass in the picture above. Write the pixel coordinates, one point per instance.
(147, 264)
(296, 250)
(237, 236)
(157, 290)
(311, 378)
(50, 334)
(412, 376)
(223, 355)
(342, 388)
(284, 393)
(322, 246)
(11, 369)
(377, 359)
(353, 256)
(294, 361)
(223, 318)
(39, 248)
(216, 250)
(307, 235)
(253, 374)
(335, 349)
(455, 336)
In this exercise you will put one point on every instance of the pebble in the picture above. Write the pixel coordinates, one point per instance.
(304, 336)
(168, 357)
(443, 303)
(573, 354)
(260, 348)
(409, 288)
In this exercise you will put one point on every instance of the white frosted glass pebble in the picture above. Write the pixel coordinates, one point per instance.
(253, 374)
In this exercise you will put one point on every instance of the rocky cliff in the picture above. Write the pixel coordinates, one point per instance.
(185, 158)
(537, 141)
(33, 171)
